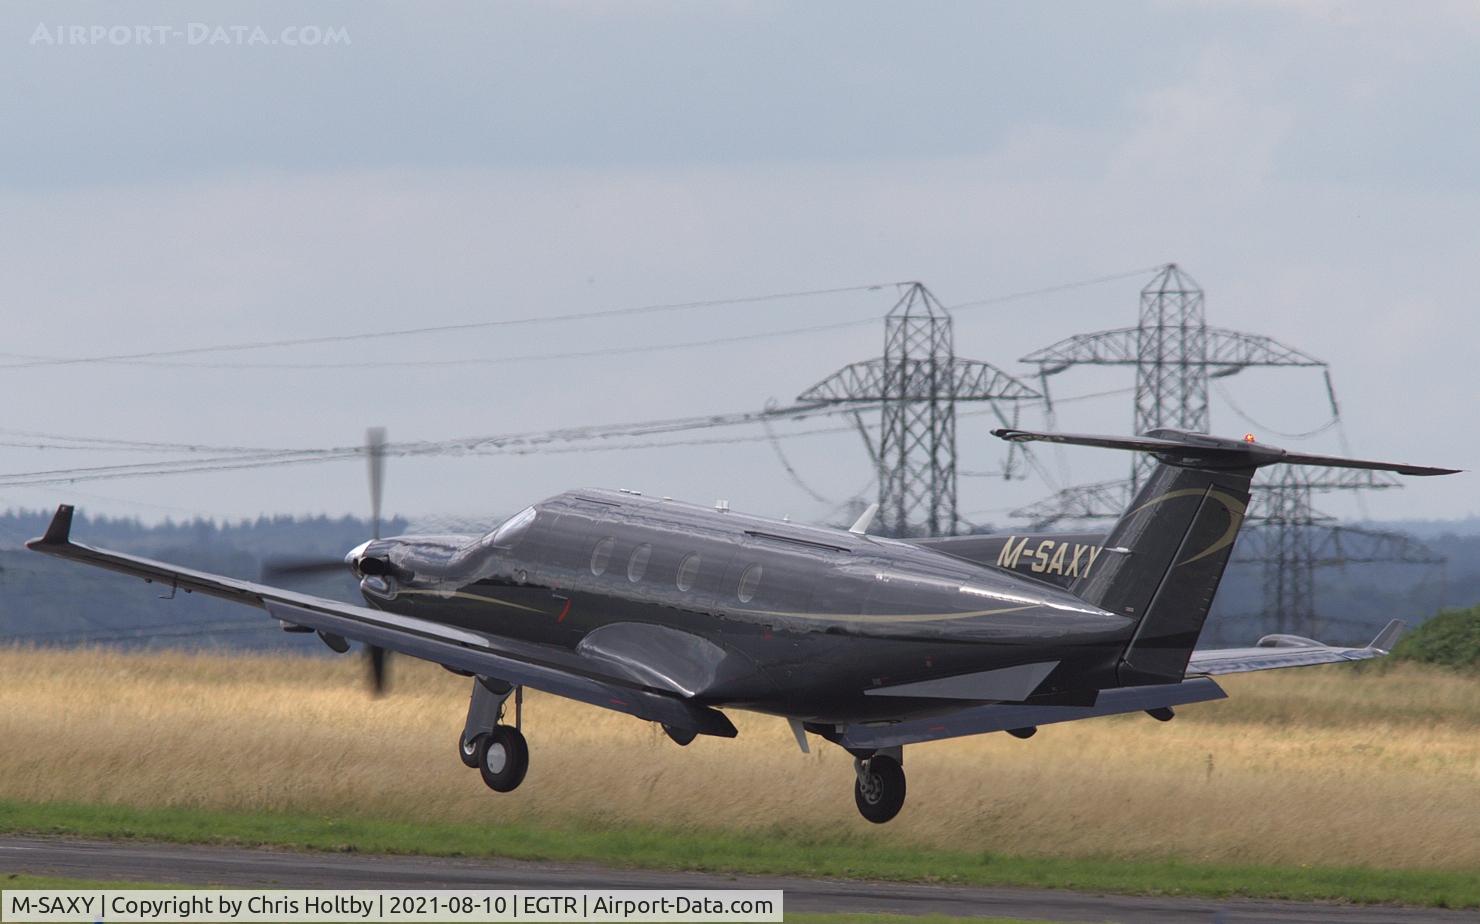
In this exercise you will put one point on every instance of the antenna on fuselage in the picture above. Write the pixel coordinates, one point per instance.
(861, 526)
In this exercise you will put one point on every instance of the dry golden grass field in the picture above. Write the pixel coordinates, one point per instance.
(1325, 766)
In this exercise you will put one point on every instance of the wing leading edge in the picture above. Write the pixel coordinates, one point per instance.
(541, 667)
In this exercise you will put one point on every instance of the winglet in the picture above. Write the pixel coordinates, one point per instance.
(1388, 637)
(862, 524)
(58, 531)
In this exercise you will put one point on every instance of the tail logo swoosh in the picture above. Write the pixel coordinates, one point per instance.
(1235, 507)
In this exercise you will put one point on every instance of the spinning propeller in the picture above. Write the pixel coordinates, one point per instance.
(277, 568)
(375, 456)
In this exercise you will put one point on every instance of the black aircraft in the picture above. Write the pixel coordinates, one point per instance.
(671, 612)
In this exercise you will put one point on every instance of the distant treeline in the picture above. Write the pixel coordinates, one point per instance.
(1451, 639)
(51, 602)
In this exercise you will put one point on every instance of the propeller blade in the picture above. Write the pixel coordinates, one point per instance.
(377, 657)
(375, 453)
(301, 567)
(375, 456)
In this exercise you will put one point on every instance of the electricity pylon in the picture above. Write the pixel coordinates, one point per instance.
(1175, 354)
(917, 383)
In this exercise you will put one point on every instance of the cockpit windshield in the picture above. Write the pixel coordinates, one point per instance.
(510, 531)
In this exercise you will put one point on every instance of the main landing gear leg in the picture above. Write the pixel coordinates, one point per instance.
(879, 787)
(498, 751)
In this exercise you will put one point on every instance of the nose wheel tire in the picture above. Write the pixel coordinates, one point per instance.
(879, 788)
(503, 758)
(467, 750)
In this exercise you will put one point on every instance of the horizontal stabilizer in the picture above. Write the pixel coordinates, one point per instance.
(976, 720)
(1199, 450)
(1277, 651)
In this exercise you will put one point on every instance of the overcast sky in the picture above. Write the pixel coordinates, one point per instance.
(1312, 165)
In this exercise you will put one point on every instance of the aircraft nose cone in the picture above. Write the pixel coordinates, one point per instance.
(354, 554)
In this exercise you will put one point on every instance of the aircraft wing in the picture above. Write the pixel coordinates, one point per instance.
(1275, 651)
(541, 667)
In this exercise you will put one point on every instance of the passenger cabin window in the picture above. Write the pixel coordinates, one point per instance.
(637, 564)
(749, 581)
(510, 530)
(688, 571)
(601, 556)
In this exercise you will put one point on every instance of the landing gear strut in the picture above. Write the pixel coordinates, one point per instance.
(879, 787)
(498, 751)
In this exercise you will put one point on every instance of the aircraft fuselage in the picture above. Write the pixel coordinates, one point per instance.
(745, 611)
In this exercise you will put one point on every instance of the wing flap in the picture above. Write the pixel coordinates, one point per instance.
(434, 642)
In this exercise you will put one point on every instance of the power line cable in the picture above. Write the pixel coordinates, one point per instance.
(648, 348)
(147, 358)
(110, 443)
(44, 446)
(522, 357)
(32, 361)
(667, 444)
(1049, 290)
(517, 443)
(472, 445)
(1264, 428)
(789, 469)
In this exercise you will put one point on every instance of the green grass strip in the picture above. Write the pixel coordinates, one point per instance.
(775, 853)
(27, 881)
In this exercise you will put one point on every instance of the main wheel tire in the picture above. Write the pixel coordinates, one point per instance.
(467, 749)
(879, 789)
(503, 758)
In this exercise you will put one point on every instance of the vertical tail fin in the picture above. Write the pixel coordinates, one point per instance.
(1162, 564)
(1165, 556)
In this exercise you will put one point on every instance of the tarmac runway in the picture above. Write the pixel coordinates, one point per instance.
(233, 866)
